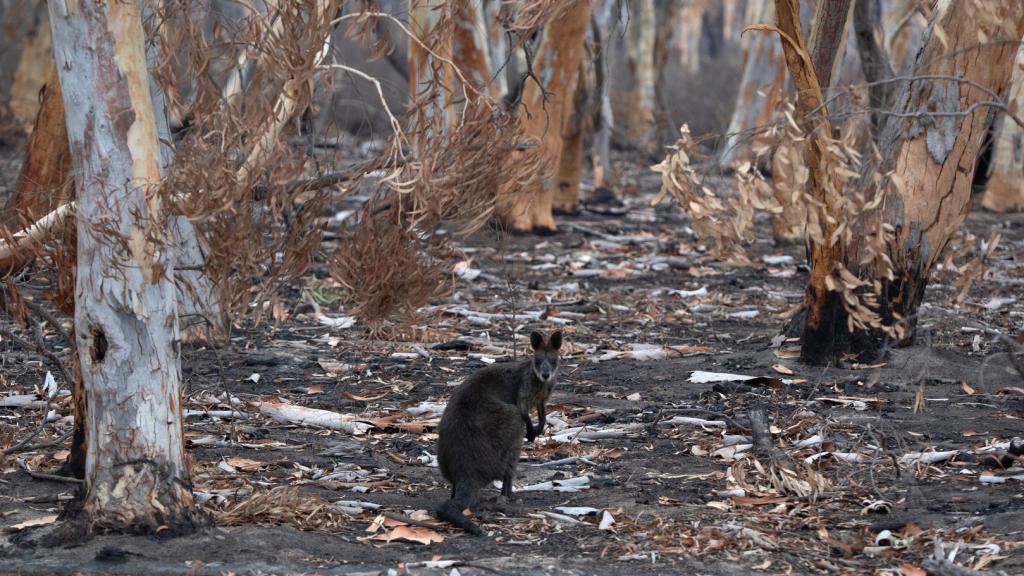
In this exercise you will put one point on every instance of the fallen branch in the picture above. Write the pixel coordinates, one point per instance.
(50, 477)
(293, 414)
(13, 249)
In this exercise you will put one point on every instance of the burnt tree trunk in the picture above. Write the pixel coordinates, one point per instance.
(931, 143)
(813, 117)
(136, 478)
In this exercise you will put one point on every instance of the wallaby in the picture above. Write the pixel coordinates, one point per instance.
(482, 429)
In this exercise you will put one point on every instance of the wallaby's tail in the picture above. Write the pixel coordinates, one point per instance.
(451, 512)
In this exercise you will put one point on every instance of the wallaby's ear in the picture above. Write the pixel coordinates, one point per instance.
(536, 340)
(556, 340)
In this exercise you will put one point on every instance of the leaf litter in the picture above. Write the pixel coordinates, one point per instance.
(650, 454)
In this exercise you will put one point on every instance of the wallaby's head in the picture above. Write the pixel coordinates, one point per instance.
(545, 355)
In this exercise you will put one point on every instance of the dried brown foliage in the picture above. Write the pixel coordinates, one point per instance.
(525, 17)
(283, 505)
(233, 175)
(726, 221)
(394, 261)
(366, 27)
(390, 268)
(58, 259)
(255, 242)
(458, 177)
(729, 220)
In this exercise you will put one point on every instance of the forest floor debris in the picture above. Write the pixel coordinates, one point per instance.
(314, 449)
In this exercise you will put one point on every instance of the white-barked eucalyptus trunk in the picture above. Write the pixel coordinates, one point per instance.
(125, 302)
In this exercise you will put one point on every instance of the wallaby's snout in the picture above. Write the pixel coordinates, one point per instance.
(546, 371)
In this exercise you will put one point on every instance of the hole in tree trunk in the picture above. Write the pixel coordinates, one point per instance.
(99, 345)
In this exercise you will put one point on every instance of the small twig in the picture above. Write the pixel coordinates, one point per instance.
(49, 318)
(21, 447)
(466, 84)
(54, 477)
(403, 518)
(720, 415)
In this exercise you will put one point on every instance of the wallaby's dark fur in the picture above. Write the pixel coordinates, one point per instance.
(482, 429)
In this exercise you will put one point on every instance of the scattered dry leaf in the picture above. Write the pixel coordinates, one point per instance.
(410, 534)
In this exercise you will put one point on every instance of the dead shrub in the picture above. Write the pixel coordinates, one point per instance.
(390, 268)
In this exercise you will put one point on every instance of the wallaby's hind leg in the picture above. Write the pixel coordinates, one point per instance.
(463, 496)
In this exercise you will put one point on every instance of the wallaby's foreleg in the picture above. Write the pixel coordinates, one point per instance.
(531, 432)
(506, 486)
(541, 418)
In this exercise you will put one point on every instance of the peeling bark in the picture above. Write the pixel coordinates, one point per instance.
(1005, 189)
(936, 158)
(136, 478)
(556, 64)
(570, 162)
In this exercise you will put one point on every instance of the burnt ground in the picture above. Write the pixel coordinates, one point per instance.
(680, 498)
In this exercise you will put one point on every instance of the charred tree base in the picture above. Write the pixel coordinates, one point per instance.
(830, 341)
(146, 499)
